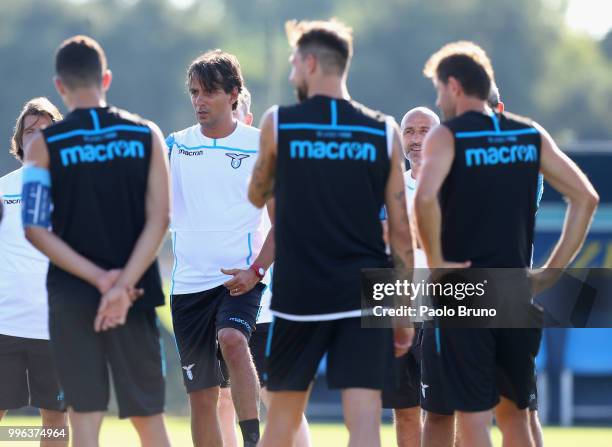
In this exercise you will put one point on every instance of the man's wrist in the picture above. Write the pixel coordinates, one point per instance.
(96, 277)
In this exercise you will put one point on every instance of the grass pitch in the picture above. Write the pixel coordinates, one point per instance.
(117, 433)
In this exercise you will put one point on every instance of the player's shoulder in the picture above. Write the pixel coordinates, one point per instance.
(248, 131)
(370, 114)
(127, 117)
(513, 121)
(244, 137)
(184, 135)
(464, 119)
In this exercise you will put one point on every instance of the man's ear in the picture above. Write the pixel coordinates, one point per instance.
(311, 63)
(454, 85)
(234, 96)
(59, 86)
(107, 79)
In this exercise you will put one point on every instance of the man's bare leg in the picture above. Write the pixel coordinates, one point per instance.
(475, 428)
(244, 383)
(514, 424)
(227, 418)
(408, 426)
(151, 430)
(85, 428)
(362, 412)
(53, 419)
(536, 429)
(303, 435)
(205, 429)
(284, 418)
(438, 430)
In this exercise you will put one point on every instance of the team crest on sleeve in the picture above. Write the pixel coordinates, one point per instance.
(236, 159)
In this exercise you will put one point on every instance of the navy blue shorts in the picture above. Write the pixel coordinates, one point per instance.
(197, 318)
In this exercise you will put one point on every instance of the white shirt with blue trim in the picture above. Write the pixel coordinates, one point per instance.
(23, 270)
(213, 224)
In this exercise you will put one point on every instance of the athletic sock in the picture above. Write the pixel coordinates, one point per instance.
(250, 432)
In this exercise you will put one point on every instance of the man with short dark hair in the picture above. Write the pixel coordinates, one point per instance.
(330, 164)
(459, 180)
(217, 232)
(27, 370)
(105, 172)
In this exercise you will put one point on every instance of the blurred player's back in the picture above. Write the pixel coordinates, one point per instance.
(333, 164)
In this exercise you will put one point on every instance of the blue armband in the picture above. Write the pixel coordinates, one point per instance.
(36, 197)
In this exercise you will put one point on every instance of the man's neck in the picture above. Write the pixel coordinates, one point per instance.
(85, 99)
(414, 173)
(331, 86)
(223, 130)
(471, 104)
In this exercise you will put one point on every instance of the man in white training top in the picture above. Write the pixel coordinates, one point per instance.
(221, 247)
(27, 372)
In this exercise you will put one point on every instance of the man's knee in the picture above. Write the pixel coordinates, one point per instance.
(469, 420)
(232, 342)
(407, 416)
(361, 407)
(439, 420)
(204, 400)
(507, 414)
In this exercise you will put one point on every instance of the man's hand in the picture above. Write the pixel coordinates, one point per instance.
(242, 282)
(543, 278)
(402, 340)
(114, 307)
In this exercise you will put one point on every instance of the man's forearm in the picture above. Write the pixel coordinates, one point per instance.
(62, 255)
(266, 255)
(428, 219)
(401, 249)
(578, 218)
(145, 251)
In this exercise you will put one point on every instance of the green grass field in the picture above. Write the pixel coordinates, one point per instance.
(117, 433)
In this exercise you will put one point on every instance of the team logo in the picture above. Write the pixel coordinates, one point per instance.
(423, 388)
(188, 371)
(236, 159)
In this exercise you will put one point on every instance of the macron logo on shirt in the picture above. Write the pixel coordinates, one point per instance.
(90, 153)
(333, 150)
(518, 153)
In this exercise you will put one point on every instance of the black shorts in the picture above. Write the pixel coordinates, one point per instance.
(257, 344)
(468, 369)
(356, 357)
(133, 351)
(197, 318)
(405, 390)
(28, 375)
